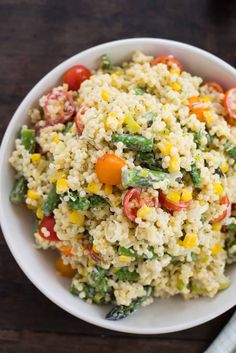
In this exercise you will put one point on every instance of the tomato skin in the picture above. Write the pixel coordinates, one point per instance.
(216, 86)
(75, 76)
(172, 206)
(48, 222)
(94, 256)
(227, 211)
(78, 122)
(196, 107)
(168, 60)
(132, 195)
(229, 100)
(108, 169)
(64, 270)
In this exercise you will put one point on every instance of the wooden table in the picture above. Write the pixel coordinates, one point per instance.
(35, 36)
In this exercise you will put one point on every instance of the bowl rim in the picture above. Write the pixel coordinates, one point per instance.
(5, 228)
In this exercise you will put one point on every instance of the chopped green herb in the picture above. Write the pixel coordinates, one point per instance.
(126, 252)
(19, 191)
(139, 91)
(125, 275)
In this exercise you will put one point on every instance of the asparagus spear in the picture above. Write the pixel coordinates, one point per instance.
(142, 177)
(230, 150)
(96, 201)
(147, 160)
(106, 62)
(134, 142)
(67, 127)
(121, 311)
(196, 177)
(51, 201)
(28, 139)
(126, 252)
(18, 191)
(231, 227)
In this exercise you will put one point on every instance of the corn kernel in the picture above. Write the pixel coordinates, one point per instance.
(218, 188)
(202, 202)
(124, 259)
(216, 227)
(208, 116)
(180, 242)
(33, 195)
(174, 165)
(216, 248)
(56, 139)
(190, 240)
(35, 158)
(165, 147)
(175, 72)
(119, 73)
(131, 123)
(173, 196)
(61, 186)
(90, 262)
(144, 211)
(105, 95)
(95, 249)
(224, 167)
(112, 114)
(94, 187)
(77, 218)
(206, 99)
(57, 175)
(186, 196)
(39, 213)
(176, 86)
(108, 189)
(30, 207)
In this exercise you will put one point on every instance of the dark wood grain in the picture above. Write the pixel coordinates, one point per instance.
(35, 36)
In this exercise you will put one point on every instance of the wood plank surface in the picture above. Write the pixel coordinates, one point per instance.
(35, 36)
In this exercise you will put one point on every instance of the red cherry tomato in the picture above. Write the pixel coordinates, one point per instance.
(131, 203)
(168, 60)
(58, 107)
(227, 211)
(94, 256)
(78, 121)
(230, 105)
(48, 222)
(149, 201)
(215, 86)
(75, 76)
(170, 205)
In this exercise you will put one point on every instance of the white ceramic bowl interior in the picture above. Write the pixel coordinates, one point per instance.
(164, 315)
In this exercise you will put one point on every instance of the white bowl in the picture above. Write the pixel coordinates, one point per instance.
(164, 315)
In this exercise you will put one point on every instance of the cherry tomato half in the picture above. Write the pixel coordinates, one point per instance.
(75, 76)
(59, 107)
(168, 60)
(94, 256)
(48, 222)
(131, 203)
(170, 205)
(230, 105)
(78, 121)
(215, 86)
(227, 211)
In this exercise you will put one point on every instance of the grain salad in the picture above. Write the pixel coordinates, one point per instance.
(130, 172)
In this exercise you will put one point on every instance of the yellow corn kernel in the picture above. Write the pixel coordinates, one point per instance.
(180, 242)
(144, 211)
(30, 207)
(175, 72)
(90, 262)
(39, 213)
(216, 248)
(57, 175)
(33, 195)
(56, 139)
(124, 259)
(165, 147)
(91, 77)
(35, 158)
(224, 167)
(77, 218)
(190, 240)
(61, 186)
(112, 114)
(208, 116)
(174, 165)
(94, 187)
(218, 188)
(95, 249)
(119, 73)
(216, 227)
(206, 99)
(173, 196)
(108, 189)
(202, 202)
(105, 95)
(176, 86)
(131, 123)
(186, 195)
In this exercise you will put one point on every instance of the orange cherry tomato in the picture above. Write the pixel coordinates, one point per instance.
(64, 270)
(75, 76)
(170, 205)
(215, 86)
(48, 222)
(168, 60)
(230, 105)
(108, 169)
(66, 250)
(227, 211)
(196, 107)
